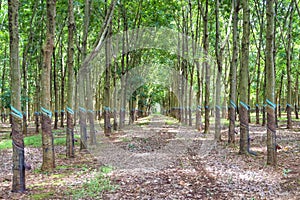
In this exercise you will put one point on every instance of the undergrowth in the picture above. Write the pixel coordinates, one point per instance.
(33, 141)
(94, 187)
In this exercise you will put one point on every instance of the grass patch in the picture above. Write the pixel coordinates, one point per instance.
(125, 139)
(170, 122)
(41, 196)
(35, 141)
(5, 144)
(94, 187)
(62, 167)
(56, 131)
(143, 123)
(31, 141)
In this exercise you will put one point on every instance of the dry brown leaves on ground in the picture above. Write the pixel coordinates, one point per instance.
(159, 161)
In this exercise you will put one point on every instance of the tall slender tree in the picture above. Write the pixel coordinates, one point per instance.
(199, 95)
(259, 11)
(106, 92)
(18, 184)
(47, 137)
(270, 81)
(70, 96)
(288, 67)
(219, 55)
(207, 69)
(233, 72)
(297, 94)
(243, 82)
(82, 79)
(219, 49)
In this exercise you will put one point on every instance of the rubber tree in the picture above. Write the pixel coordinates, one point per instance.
(219, 49)
(288, 67)
(243, 82)
(232, 75)
(207, 69)
(47, 137)
(18, 180)
(82, 78)
(270, 80)
(70, 96)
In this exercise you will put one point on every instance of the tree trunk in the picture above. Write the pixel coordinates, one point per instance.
(199, 92)
(233, 72)
(218, 79)
(280, 95)
(3, 78)
(199, 100)
(86, 23)
(82, 77)
(219, 49)
(106, 95)
(244, 77)
(288, 69)
(270, 98)
(70, 96)
(123, 83)
(18, 179)
(62, 95)
(82, 111)
(56, 100)
(259, 12)
(47, 137)
(264, 106)
(193, 65)
(297, 95)
(207, 69)
(115, 123)
(89, 105)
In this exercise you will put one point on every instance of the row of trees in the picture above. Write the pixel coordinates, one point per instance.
(245, 48)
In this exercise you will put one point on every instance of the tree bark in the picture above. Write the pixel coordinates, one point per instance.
(18, 179)
(82, 78)
(106, 94)
(244, 77)
(260, 13)
(297, 95)
(56, 99)
(70, 96)
(288, 69)
(219, 56)
(199, 92)
(233, 72)
(270, 98)
(280, 95)
(47, 137)
(207, 69)
(62, 93)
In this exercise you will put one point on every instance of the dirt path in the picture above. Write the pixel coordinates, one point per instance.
(150, 144)
(156, 158)
(163, 161)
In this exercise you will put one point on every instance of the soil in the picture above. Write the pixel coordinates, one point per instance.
(156, 158)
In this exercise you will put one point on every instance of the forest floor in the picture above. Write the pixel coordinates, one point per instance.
(156, 158)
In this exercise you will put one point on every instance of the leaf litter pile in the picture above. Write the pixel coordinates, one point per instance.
(156, 158)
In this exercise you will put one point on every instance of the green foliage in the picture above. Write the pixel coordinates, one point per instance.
(285, 172)
(171, 122)
(33, 141)
(5, 98)
(41, 196)
(94, 187)
(5, 144)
